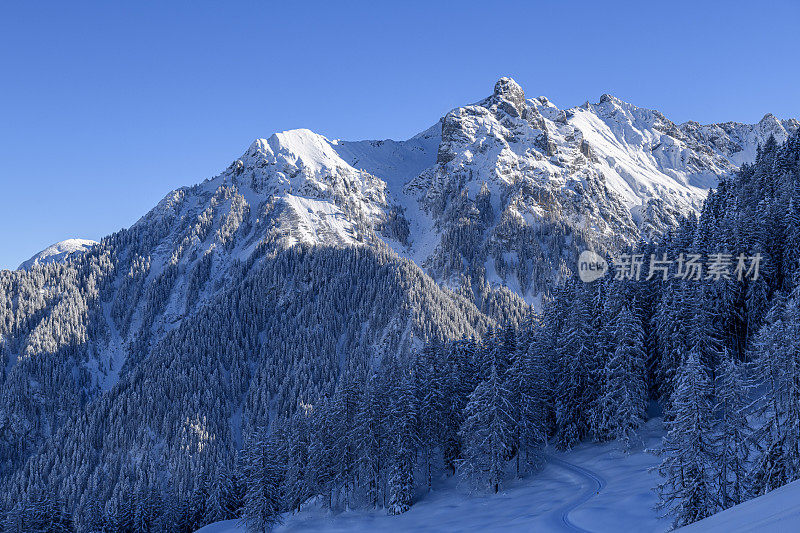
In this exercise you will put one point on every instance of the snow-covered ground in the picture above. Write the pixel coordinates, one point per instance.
(591, 488)
(778, 511)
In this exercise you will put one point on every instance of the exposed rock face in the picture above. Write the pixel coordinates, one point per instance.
(509, 92)
(597, 175)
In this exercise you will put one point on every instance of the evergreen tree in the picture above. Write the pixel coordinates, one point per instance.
(487, 432)
(527, 383)
(731, 434)
(578, 386)
(404, 423)
(624, 402)
(343, 417)
(430, 380)
(297, 483)
(369, 437)
(688, 455)
(262, 503)
(460, 381)
(777, 368)
(222, 499)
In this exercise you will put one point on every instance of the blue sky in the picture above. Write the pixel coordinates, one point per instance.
(105, 107)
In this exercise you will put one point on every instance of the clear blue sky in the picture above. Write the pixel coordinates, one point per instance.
(107, 106)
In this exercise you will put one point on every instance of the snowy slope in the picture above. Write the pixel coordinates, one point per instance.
(777, 511)
(540, 503)
(59, 251)
(555, 181)
(396, 162)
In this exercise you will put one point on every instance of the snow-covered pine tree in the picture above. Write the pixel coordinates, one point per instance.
(92, 518)
(527, 381)
(148, 504)
(175, 515)
(792, 238)
(460, 374)
(624, 402)
(403, 419)
(343, 412)
(222, 499)
(429, 376)
(487, 432)
(297, 483)
(321, 468)
(705, 335)
(687, 491)
(578, 387)
(45, 512)
(731, 433)
(199, 499)
(675, 311)
(486, 354)
(777, 368)
(120, 510)
(262, 505)
(506, 347)
(369, 434)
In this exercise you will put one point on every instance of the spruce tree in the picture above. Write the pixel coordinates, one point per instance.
(527, 383)
(297, 482)
(624, 401)
(487, 431)
(731, 433)
(404, 423)
(687, 491)
(777, 368)
(262, 505)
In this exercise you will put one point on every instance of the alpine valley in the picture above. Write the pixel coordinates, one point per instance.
(254, 341)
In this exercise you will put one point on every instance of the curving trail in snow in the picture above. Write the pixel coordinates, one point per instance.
(596, 484)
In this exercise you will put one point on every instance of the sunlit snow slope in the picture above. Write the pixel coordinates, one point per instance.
(58, 252)
(504, 192)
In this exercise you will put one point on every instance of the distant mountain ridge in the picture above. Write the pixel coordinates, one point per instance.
(60, 251)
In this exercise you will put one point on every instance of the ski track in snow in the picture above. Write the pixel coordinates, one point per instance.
(597, 483)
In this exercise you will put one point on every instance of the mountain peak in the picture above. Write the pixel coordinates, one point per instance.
(769, 120)
(609, 98)
(506, 87)
(293, 149)
(510, 91)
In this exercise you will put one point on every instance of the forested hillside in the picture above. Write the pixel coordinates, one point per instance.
(90, 426)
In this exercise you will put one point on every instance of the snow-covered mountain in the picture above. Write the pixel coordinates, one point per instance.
(502, 193)
(251, 295)
(59, 251)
